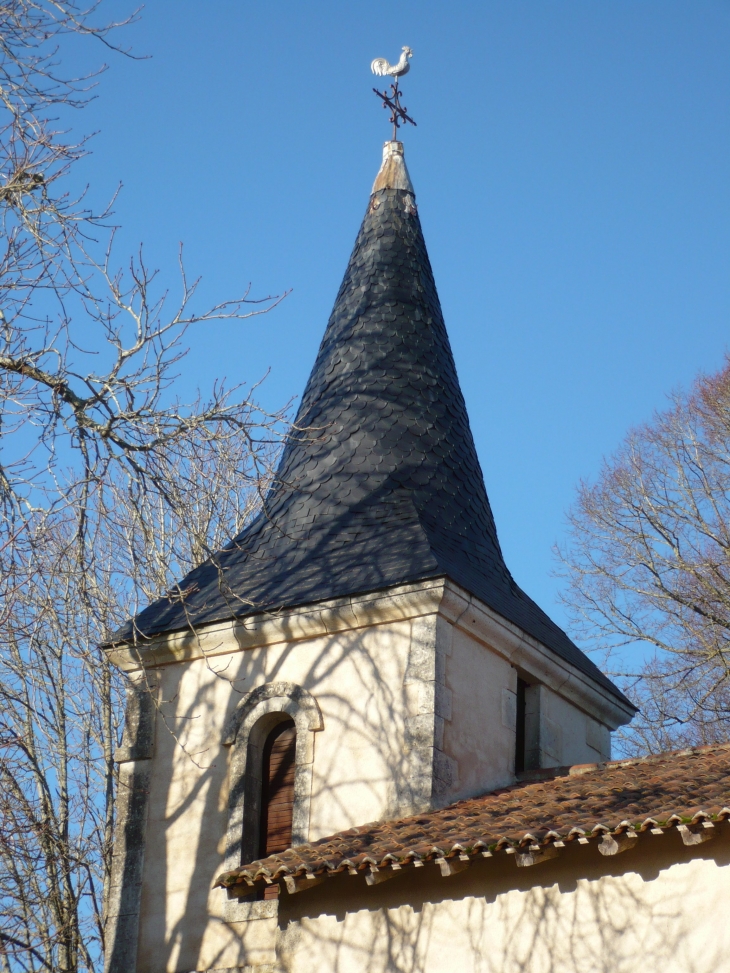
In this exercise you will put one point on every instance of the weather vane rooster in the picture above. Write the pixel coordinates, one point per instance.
(383, 67)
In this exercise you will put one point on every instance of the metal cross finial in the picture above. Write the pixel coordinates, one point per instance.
(380, 66)
(398, 114)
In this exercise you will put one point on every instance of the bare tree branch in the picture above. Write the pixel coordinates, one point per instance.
(111, 487)
(648, 567)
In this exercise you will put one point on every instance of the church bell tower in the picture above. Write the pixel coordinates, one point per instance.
(359, 652)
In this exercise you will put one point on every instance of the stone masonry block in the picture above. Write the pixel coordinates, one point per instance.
(445, 769)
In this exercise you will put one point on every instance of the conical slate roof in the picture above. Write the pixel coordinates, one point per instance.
(383, 486)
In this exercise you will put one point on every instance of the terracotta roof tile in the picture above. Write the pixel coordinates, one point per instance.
(684, 787)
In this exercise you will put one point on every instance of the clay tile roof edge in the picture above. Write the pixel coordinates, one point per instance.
(687, 790)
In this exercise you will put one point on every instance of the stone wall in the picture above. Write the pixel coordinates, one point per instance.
(657, 909)
(398, 699)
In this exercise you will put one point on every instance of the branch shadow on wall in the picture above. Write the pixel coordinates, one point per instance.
(579, 912)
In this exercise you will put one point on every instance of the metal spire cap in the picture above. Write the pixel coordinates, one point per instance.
(393, 172)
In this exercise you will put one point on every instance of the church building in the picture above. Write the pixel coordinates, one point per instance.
(353, 743)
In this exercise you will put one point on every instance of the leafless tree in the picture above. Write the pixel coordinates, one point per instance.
(88, 354)
(648, 567)
(61, 701)
(111, 488)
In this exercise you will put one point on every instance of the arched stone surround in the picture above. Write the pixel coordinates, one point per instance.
(245, 732)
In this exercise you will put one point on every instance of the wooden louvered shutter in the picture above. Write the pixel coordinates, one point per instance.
(277, 798)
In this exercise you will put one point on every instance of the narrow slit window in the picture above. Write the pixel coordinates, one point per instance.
(520, 734)
(277, 797)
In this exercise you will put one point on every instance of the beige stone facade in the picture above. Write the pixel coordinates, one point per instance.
(658, 909)
(402, 701)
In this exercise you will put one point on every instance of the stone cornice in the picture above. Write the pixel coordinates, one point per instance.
(437, 596)
(524, 652)
(288, 625)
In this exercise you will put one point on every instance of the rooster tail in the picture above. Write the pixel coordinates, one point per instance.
(380, 66)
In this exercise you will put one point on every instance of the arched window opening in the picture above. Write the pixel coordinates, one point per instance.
(259, 820)
(277, 793)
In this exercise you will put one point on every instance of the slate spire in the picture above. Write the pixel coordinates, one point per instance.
(382, 486)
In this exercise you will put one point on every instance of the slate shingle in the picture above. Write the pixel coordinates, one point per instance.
(392, 447)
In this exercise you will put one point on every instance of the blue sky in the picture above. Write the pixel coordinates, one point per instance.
(572, 168)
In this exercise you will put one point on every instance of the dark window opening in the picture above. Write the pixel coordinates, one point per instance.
(277, 794)
(520, 742)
